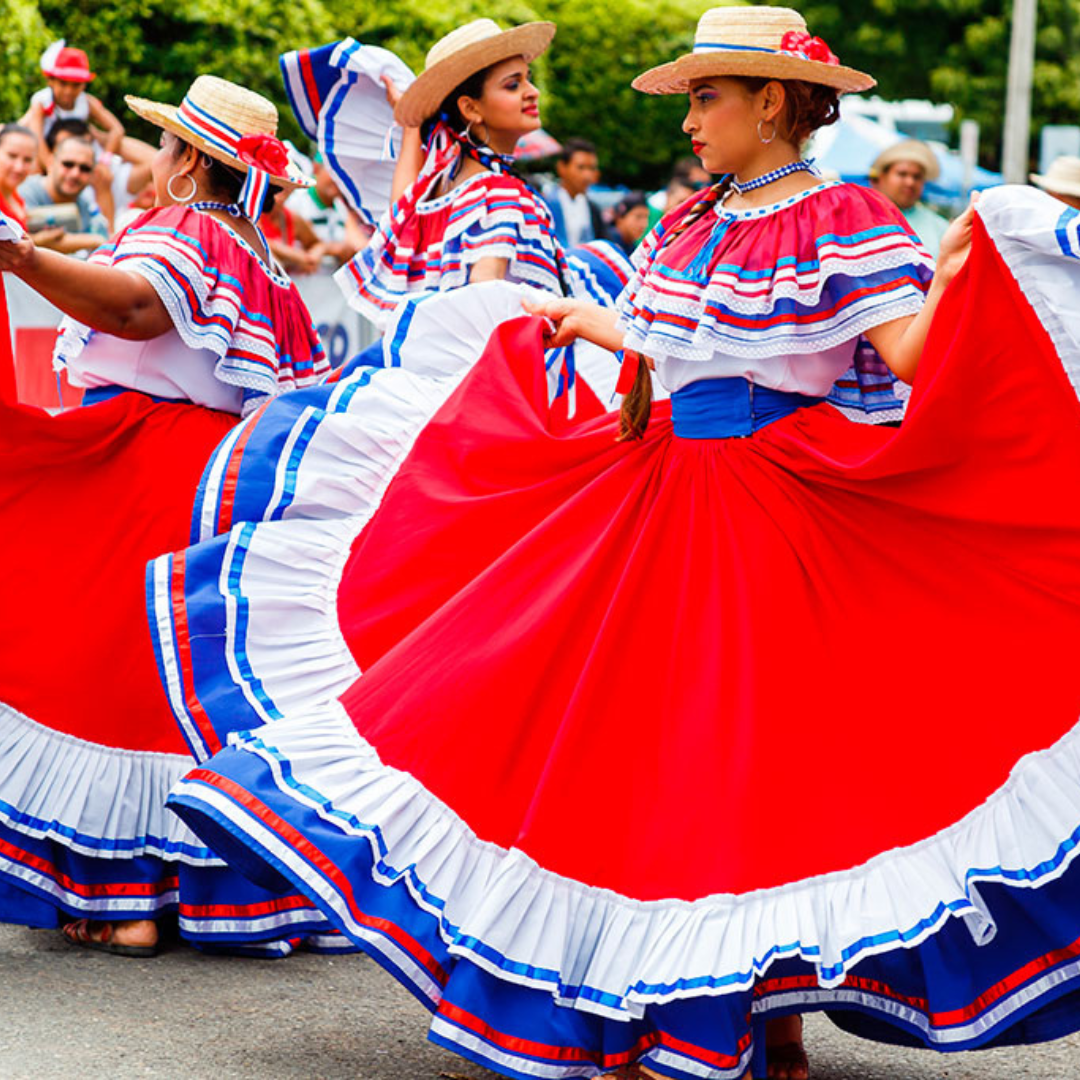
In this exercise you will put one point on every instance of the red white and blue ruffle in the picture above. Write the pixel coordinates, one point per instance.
(558, 801)
(221, 297)
(429, 244)
(326, 454)
(813, 273)
(338, 98)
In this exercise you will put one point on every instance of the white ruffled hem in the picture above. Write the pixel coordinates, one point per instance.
(530, 922)
(293, 560)
(94, 799)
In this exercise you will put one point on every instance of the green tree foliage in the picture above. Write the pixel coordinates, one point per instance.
(24, 37)
(154, 49)
(598, 50)
(945, 50)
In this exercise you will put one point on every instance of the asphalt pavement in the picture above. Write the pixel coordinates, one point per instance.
(72, 1014)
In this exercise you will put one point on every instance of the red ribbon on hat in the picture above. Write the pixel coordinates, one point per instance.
(813, 48)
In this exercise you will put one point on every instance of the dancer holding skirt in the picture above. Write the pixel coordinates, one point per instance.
(176, 328)
(657, 732)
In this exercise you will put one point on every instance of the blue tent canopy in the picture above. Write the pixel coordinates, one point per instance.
(848, 148)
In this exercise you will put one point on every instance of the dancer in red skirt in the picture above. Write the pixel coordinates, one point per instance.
(175, 329)
(647, 741)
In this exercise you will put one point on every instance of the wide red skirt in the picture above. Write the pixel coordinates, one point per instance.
(88, 744)
(88, 498)
(754, 632)
(654, 736)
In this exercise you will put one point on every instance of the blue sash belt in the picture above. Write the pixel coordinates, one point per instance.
(730, 408)
(97, 394)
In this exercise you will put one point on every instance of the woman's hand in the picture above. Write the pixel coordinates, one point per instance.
(19, 256)
(393, 94)
(574, 319)
(955, 245)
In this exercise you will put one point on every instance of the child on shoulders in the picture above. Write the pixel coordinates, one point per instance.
(67, 73)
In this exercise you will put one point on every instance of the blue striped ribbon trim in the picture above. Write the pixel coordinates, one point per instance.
(207, 127)
(220, 135)
(711, 46)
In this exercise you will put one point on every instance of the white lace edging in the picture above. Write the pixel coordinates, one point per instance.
(94, 799)
(539, 929)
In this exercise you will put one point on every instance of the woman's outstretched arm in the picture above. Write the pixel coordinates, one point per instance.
(900, 342)
(411, 158)
(112, 301)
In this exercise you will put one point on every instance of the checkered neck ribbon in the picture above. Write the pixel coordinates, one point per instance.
(264, 155)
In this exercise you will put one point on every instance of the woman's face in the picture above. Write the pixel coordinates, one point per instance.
(17, 156)
(168, 161)
(509, 106)
(722, 122)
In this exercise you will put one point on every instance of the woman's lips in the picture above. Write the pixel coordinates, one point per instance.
(531, 110)
(696, 146)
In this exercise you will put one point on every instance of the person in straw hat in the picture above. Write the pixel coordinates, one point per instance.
(629, 769)
(900, 173)
(173, 331)
(458, 215)
(1062, 180)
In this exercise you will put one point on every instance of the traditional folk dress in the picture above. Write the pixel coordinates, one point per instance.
(610, 751)
(88, 747)
(424, 247)
(645, 742)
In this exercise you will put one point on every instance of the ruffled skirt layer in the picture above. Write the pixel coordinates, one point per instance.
(609, 750)
(88, 745)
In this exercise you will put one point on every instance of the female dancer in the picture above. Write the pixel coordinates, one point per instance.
(657, 739)
(175, 329)
(454, 215)
(457, 214)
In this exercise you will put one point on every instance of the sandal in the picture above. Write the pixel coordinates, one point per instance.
(79, 933)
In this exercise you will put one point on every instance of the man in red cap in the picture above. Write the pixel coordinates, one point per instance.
(67, 73)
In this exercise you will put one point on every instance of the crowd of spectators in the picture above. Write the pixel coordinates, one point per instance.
(579, 219)
(71, 176)
(68, 172)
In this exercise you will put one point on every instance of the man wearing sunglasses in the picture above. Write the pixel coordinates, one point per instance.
(63, 212)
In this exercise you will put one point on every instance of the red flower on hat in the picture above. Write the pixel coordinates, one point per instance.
(813, 48)
(264, 152)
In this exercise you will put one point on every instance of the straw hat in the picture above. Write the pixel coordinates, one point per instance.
(913, 150)
(464, 52)
(1062, 178)
(215, 116)
(763, 42)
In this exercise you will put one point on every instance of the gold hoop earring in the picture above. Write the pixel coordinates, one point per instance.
(762, 137)
(467, 136)
(189, 196)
